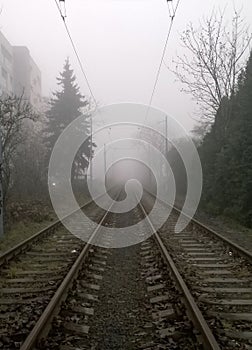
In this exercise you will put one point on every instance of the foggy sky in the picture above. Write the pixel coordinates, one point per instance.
(119, 41)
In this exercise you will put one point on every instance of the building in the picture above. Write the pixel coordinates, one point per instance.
(6, 66)
(19, 73)
(27, 76)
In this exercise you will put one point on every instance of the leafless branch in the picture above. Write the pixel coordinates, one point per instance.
(215, 54)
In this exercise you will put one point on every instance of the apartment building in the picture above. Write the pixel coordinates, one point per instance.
(19, 73)
(27, 76)
(6, 66)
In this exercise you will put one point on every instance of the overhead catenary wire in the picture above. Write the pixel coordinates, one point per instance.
(63, 16)
(172, 16)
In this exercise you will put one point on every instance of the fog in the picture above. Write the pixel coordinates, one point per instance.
(120, 45)
(119, 42)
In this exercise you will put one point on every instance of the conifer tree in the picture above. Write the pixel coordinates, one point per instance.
(238, 151)
(66, 105)
(226, 155)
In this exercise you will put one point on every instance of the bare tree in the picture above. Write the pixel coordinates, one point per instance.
(29, 180)
(214, 59)
(13, 112)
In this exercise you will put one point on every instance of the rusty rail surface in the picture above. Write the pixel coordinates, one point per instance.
(195, 314)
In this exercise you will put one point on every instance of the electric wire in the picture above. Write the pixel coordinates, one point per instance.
(82, 67)
(163, 52)
(79, 60)
(76, 53)
(172, 16)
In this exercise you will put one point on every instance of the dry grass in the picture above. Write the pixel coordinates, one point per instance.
(23, 229)
(19, 232)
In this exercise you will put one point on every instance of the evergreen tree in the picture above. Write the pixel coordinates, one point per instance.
(226, 154)
(239, 150)
(66, 105)
(212, 148)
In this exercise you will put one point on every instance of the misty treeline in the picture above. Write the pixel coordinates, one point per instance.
(28, 137)
(220, 80)
(226, 154)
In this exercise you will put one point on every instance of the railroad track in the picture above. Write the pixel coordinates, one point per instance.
(31, 273)
(121, 299)
(132, 298)
(219, 274)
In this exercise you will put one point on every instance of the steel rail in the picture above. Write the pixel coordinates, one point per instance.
(209, 341)
(42, 326)
(22, 246)
(236, 247)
